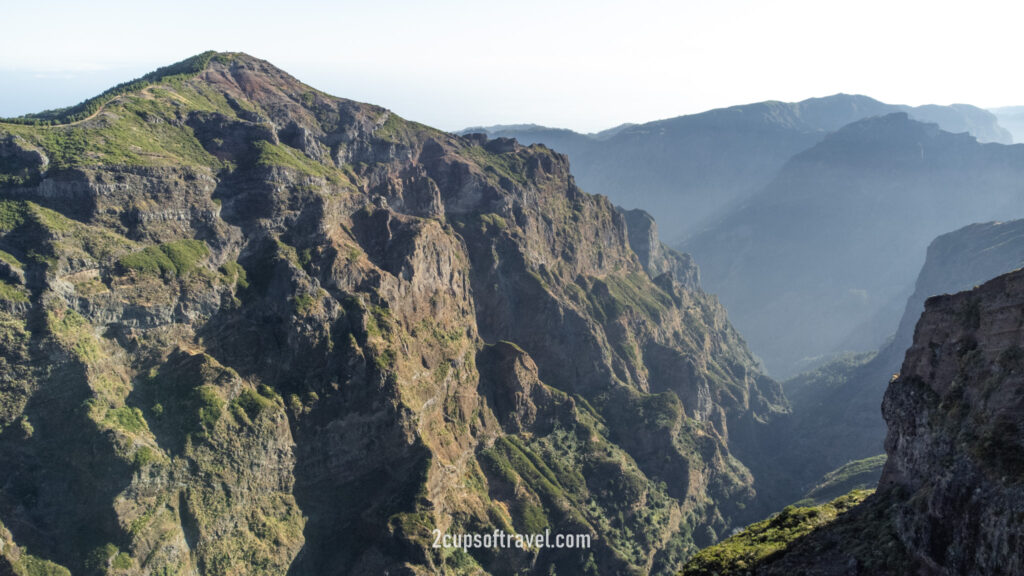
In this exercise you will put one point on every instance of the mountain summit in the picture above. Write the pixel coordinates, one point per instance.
(250, 328)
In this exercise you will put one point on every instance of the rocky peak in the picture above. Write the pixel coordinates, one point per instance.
(657, 258)
(291, 333)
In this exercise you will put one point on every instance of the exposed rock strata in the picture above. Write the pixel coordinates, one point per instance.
(262, 330)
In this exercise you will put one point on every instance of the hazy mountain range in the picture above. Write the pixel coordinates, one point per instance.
(836, 417)
(688, 169)
(808, 219)
(1011, 118)
(822, 258)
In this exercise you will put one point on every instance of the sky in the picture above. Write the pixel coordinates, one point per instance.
(585, 65)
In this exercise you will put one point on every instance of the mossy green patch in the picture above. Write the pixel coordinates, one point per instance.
(385, 360)
(75, 333)
(209, 407)
(235, 274)
(21, 168)
(493, 221)
(510, 459)
(144, 456)
(304, 304)
(33, 566)
(12, 292)
(252, 404)
(50, 219)
(43, 234)
(98, 561)
(742, 553)
(185, 254)
(855, 475)
(636, 291)
(510, 166)
(126, 419)
(15, 368)
(267, 154)
(12, 214)
(397, 130)
(177, 258)
(121, 562)
(392, 130)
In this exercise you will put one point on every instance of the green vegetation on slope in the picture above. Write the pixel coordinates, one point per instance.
(142, 129)
(16, 560)
(12, 292)
(10, 259)
(810, 386)
(498, 166)
(760, 542)
(855, 475)
(270, 155)
(176, 258)
(186, 68)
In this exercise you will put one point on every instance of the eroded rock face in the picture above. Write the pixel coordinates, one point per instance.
(657, 258)
(956, 441)
(951, 498)
(836, 416)
(279, 332)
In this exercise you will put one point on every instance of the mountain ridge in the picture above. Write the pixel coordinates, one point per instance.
(692, 169)
(292, 333)
(837, 236)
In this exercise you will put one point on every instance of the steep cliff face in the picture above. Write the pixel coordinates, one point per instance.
(956, 441)
(957, 261)
(836, 416)
(951, 497)
(656, 257)
(249, 328)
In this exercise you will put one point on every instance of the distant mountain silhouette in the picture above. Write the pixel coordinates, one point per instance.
(1011, 118)
(839, 419)
(840, 233)
(690, 169)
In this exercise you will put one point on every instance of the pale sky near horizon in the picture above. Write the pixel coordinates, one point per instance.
(585, 65)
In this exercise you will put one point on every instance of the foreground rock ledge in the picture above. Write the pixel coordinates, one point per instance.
(951, 498)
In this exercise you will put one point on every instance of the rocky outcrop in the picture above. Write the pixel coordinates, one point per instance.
(957, 261)
(836, 416)
(657, 258)
(255, 329)
(951, 497)
(955, 442)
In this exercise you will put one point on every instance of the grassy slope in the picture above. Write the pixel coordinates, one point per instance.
(856, 475)
(760, 542)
